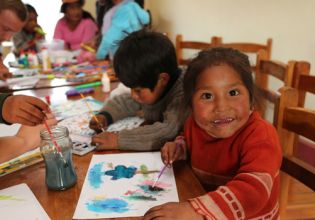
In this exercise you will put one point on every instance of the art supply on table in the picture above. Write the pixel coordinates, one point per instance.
(74, 92)
(88, 48)
(164, 167)
(160, 174)
(92, 114)
(57, 147)
(118, 185)
(47, 98)
(27, 159)
(105, 83)
(19, 202)
(81, 148)
(89, 85)
(60, 172)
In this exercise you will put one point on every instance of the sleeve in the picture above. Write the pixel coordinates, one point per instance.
(3, 97)
(90, 30)
(252, 186)
(143, 15)
(121, 106)
(58, 31)
(153, 137)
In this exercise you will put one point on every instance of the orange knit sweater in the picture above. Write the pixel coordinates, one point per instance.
(244, 167)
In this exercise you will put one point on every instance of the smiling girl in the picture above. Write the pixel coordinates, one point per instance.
(235, 153)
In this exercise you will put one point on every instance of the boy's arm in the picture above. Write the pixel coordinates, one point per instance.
(154, 136)
(119, 107)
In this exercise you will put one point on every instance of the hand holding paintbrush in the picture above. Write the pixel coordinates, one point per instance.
(171, 152)
(97, 121)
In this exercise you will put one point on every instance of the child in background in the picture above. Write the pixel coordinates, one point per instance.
(77, 26)
(31, 32)
(26, 139)
(146, 63)
(234, 152)
(123, 18)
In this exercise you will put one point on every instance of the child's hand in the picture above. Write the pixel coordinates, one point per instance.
(105, 141)
(94, 125)
(173, 151)
(173, 210)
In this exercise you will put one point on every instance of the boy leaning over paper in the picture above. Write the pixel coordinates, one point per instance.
(145, 62)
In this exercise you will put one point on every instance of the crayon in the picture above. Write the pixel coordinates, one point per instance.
(88, 85)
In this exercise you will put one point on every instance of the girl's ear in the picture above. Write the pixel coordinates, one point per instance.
(163, 79)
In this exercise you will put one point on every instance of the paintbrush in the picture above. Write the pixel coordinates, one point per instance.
(92, 114)
(58, 148)
(160, 174)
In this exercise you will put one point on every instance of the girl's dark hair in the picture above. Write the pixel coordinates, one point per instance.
(31, 9)
(85, 14)
(142, 56)
(65, 5)
(16, 6)
(214, 57)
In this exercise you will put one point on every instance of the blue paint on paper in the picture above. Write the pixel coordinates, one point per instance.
(121, 171)
(108, 206)
(95, 175)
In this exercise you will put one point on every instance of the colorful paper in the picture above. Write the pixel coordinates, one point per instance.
(120, 185)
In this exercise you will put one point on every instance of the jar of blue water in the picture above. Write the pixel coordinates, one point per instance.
(60, 172)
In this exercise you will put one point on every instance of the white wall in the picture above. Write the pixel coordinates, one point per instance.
(290, 23)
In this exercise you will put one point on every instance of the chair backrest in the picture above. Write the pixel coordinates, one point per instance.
(264, 70)
(293, 121)
(248, 48)
(303, 81)
(191, 45)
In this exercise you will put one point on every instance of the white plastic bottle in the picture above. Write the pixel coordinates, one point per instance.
(46, 60)
(106, 82)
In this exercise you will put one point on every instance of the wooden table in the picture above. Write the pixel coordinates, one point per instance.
(60, 205)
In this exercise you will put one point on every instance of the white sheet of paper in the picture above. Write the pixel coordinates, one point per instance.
(19, 202)
(105, 195)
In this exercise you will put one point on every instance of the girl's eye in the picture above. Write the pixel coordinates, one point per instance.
(206, 96)
(234, 92)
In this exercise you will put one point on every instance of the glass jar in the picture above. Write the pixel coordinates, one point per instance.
(60, 172)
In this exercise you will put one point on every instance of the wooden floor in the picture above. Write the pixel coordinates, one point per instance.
(301, 202)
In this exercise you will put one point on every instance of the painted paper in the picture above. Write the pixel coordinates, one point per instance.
(18, 202)
(120, 185)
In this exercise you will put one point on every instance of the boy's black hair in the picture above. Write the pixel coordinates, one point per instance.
(31, 9)
(142, 56)
(214, 57)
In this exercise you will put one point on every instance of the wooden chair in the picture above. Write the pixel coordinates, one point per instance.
(248, 48)
(292, 121)
(266, 69)
(191, 45)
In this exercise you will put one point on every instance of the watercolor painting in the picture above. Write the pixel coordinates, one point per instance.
(77, 107)
(21, 198)
(120, 185)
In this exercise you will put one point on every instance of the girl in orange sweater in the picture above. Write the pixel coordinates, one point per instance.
(235, 153)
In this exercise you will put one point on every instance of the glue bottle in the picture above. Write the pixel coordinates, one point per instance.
(106, 82)
(46, 60)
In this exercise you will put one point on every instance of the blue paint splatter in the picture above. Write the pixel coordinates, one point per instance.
(121, 171)
(95, 175)
(108, 206)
